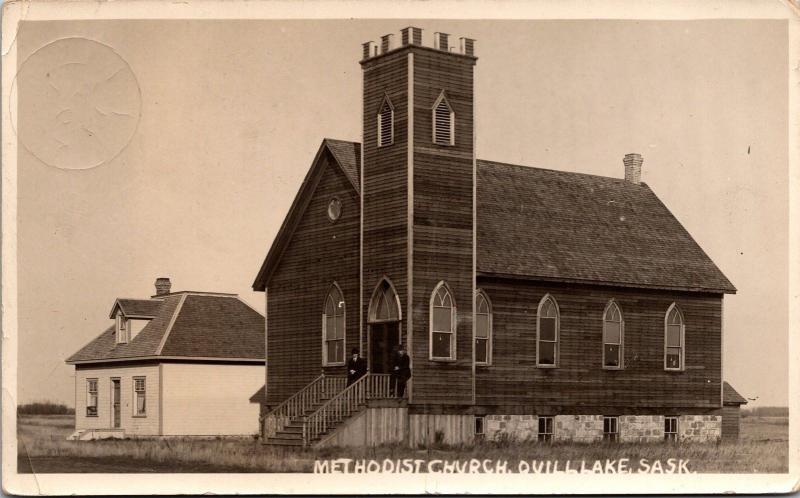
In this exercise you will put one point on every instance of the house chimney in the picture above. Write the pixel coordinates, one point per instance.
(467, 46)
(370, 50)
(633, 168)
(163, 286)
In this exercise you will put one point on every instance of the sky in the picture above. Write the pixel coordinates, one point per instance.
(229, 114)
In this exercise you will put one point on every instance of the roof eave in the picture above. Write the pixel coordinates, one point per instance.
(605, 283)
(163, 358)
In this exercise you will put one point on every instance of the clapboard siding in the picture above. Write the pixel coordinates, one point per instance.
(730, 421)
(319, 253)
(385, 192)
(579, 380)
(443, 224)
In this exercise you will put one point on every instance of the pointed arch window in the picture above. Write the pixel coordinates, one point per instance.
(443, 122)
(613, 332)
(386, 123)
(547, 329)
(674, 332)
(333, 331)
(483, 329)
(384, 306)
(442, 324)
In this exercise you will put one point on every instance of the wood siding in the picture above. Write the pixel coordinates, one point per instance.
(209, 399)
(147, 425)
(443, 224)
(319, 253)
(730, 421)
(579, 384)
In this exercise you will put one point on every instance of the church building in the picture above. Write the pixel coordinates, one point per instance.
(535, 304)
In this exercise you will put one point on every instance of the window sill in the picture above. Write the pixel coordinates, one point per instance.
(483, 365)
(326, 365)
(442, 360)
(381, 146)
(139, 416)
(613, 368)
(91, 416)
(674, 370)
(546, 366)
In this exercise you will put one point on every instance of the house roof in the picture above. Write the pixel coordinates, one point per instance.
(543, 224)
(730, 396)
(187, 325)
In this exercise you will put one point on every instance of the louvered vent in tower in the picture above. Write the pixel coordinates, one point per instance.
(386, 123)
(443, 122)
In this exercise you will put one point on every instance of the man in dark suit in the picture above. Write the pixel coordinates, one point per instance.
(401, 372)
(356, 367)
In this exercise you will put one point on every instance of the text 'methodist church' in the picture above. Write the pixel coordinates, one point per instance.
(540, 304)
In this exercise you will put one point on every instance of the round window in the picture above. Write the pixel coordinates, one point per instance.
(334, 209)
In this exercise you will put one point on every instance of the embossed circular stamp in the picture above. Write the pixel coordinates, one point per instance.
(78, 103)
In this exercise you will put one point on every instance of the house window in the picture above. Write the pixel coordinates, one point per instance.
(139, 396)
(546, 429)
(547, 325)
(479, 425)
(610, 429)
(122, 329)
(612, 336)
(443, 122)
(386, 123)
(91, 397)
(670, 428)
(483, 329)
(674, 331)
(333, 328)
(443, 324)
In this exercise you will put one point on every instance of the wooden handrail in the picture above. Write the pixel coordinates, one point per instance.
(344, 404)
(301, 402)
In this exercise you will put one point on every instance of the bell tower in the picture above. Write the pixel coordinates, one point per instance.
(418, 205)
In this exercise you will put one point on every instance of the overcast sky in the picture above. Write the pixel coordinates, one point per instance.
(233, 112)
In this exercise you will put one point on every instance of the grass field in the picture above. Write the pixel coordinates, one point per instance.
(43, 448)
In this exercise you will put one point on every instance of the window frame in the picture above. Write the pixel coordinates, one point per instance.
(557, 348)
(480, 420)
(682, 356)
(480, 293)
(612, 304)
(386, 100)
(135, 407)
(609, 436)
(325, 340)
(96, 382)
(122, 329)
(671, 436)
(439, 100)
(453, 325)
(545, 437)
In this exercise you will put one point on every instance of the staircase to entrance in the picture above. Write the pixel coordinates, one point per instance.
(321, 407)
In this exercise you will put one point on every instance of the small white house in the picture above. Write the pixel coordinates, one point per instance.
(177, 364)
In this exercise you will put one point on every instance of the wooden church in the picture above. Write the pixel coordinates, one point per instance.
(535, 304)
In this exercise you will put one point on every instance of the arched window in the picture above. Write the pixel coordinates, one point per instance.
(333, 333)
(547, 325)
(443, 122)
(386, 123)
(483, 329)
(384, 306)
(613, 326)
(674, 339)
(442, 324)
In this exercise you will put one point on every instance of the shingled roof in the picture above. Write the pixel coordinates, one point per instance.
(730, 396)
(186, 325)
(136, 307)
(555, 225)
(543, 224)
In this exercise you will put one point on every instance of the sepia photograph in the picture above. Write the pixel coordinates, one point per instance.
(354, 252)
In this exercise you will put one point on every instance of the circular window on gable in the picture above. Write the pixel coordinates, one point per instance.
(334, 209)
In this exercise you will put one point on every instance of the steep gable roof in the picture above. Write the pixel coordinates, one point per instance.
(187, 325)
(730, 396)
(536, 223)
(348, 156)
(539, 223)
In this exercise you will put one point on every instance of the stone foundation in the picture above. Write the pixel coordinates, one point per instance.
(699, 428)
(641, 428)
(589, 428)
